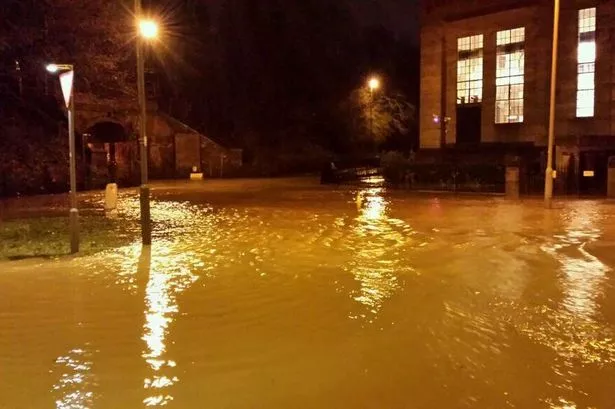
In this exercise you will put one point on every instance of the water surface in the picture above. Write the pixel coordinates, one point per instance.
(285, 294)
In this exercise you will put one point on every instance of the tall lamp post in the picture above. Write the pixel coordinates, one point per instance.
(147, 30)
(66, 80)
(373, 85)
(549, 171)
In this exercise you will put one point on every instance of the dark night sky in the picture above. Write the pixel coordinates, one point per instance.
(400, 16)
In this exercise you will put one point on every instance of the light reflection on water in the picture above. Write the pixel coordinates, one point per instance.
(169, 274)
(574, 328)
(376, 265)
(166, 270)
(580, 334)
(75, 386)
(585, 274)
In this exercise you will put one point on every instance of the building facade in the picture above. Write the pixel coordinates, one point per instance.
(485, 79)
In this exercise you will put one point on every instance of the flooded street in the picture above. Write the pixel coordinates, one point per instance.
(286, 294)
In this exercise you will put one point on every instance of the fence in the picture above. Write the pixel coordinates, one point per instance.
(456, 178)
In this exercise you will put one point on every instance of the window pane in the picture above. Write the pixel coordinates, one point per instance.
(502, 81)
(477, 42)
(585, 98)
(513, 36)
(589, 67)
(516, 111)
(518, 35)
(585, 81)
(516, 91)
(517, 79)
(587, 52)
(516, 63)
(502, 93)
(463, 44)
(501, 112)
(583, 112)
(462, 96)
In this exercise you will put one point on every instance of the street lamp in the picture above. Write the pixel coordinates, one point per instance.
(373, 84)
(549, 171)
(147, 30)
(66, 80)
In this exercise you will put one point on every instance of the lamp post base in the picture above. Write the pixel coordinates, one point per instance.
(146, 223)
(74, 230)
(549, 188)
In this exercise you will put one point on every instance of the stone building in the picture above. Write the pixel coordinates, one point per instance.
(485, 78)
(108, 132)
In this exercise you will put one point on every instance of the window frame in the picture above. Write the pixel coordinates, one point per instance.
(585, 104)
(470, 70)
(510, 76)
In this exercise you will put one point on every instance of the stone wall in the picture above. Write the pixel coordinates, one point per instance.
(173, 147)
(443, 22)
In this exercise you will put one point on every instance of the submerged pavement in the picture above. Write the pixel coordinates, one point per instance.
(284, 293)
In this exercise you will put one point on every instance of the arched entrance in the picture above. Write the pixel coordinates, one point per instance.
(110, 155)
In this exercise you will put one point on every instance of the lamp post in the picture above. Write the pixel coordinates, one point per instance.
(147, 30)
(66, 80)
(373, 84)
(551, 141)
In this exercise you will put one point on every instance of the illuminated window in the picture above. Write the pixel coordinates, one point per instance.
(470, 69)
(510, 78)
(586, 59)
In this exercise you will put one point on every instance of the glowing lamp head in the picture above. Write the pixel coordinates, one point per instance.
(374, 84)
(52, 68)
(436, 119)
(148, 29)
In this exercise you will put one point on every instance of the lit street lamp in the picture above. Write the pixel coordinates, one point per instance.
(549, 171)
(373, 85)
(66, 80)
(147, 30)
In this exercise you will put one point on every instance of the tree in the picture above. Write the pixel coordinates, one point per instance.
(94, 35)
(373, 118)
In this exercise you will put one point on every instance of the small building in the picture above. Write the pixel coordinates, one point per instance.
(110, 144)
(485, 81)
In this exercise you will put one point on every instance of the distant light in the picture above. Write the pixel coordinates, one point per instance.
(436, 119)
(148, 29)
(374, 83)
(52, 68)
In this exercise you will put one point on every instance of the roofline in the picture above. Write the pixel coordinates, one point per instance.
(189, 128)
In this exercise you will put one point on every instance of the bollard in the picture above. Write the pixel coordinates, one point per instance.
(111, 197)
(512, 182)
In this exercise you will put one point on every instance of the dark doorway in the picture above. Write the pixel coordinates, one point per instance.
(593, 170)
(469, 124)
(110, 156)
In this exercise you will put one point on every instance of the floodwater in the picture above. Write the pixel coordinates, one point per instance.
(290, 295)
